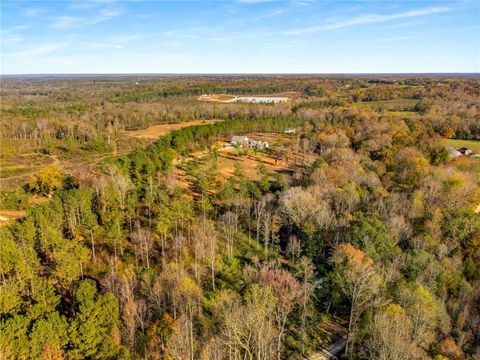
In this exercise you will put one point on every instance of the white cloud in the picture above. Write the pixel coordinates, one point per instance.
(33, 12)
(11, 36)
(11, 39)
(20, 27)
(100, 45)
(191, 34)
(89, 4)
(367, 19)
(255, 1)
(65, 22)
(35, 51)
(127, 38)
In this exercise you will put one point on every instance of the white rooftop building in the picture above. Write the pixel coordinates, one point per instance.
(239, 141)
(453, 153)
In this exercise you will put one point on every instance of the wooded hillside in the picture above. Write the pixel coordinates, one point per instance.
(366, 232)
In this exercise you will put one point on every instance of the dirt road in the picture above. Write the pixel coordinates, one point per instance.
(331, 352)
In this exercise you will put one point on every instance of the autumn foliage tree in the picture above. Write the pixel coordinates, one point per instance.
(46, 181)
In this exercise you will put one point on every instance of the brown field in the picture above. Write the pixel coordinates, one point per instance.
(228, 156)
(227, 160)
(155, 131)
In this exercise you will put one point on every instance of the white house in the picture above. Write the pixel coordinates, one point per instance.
(239, 141)
(289, 131)
(258, 144)
(453, 153)
(243, 141)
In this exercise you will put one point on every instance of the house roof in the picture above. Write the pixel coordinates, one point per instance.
(453, 152)
(239, 138)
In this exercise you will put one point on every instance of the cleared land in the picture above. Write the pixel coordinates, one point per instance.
(390, 105)
(229, 157)
(465, 163)
(9, 215)
(155, 131)
(16, 171)
(217, 98)
(248, 160)
(471, 144)
(224, 98)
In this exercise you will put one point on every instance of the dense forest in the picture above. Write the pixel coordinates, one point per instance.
(366, 238)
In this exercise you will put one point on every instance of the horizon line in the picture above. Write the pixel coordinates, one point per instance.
(241, 73)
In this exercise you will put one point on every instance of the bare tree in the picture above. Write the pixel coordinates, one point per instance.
(248, 330)
(228, 225)
(211, 246)
(390, 336)
(357, 278)
(142, 239)
(259, 207)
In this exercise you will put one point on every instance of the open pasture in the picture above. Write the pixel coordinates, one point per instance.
(390, 105)
(473, 145)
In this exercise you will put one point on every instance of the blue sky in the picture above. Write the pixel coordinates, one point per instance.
(243, 36)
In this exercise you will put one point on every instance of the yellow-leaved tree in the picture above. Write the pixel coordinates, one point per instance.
(46, 181)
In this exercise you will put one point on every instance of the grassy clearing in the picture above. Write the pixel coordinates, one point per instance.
(249, 164)
(457, 143)
(250, 160)
(22, 164)
(390, 105)
(464, 163)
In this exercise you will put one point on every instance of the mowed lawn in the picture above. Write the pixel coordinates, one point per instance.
(465, 163)
(473, 145)
(390, 105)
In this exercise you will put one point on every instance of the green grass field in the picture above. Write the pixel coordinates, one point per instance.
(390, 105)
(471, 144)
(465, 163)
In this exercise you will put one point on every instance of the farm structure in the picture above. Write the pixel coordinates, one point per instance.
(261, 99)
(258, 99)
